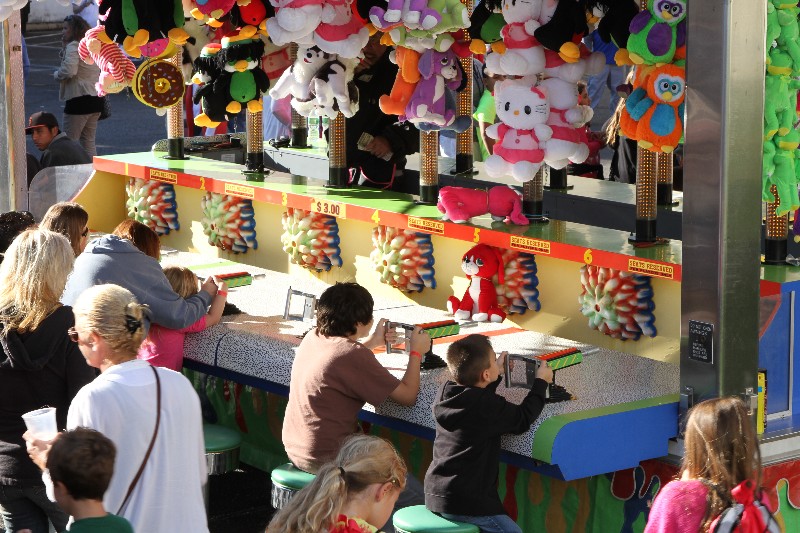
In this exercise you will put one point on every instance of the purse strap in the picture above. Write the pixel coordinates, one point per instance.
(149, 448)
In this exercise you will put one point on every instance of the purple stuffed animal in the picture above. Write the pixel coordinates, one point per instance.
(440, 72)
(412, 13)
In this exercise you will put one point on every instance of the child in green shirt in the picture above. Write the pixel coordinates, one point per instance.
(81, 463)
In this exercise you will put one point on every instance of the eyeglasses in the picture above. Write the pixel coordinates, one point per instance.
(72, 333)
(85, 231)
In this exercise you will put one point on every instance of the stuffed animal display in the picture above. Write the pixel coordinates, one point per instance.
(229, 222)
(459, 204)
(159, 84)
(481, 264)
(653, 113)
(153, 204)
(320, 83)
(310, 239)
(403, 258)
(780, 169)
(135, 24)
(522, 130)
(210, 96)
(116, 70)
(211, 11)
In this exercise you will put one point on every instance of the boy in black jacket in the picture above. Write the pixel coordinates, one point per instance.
(461, 483)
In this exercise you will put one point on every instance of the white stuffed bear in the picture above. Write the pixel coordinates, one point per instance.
(566, 145)
(523, 54)
(522, 132)
(297, 79)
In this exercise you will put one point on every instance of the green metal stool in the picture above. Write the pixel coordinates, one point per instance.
(417, 519)
(287, 480)
(222, 451)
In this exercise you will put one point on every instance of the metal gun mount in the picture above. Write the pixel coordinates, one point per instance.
(408, 330)
(520, 379)
(309, 306)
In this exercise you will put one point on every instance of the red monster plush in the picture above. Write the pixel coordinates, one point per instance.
(480, 264)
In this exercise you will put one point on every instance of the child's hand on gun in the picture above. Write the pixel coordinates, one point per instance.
(544, 372)
(222, 287)
(420, 341)
(501, 361)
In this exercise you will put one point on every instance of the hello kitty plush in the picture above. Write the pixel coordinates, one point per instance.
(522, 132)
(294, 21)
(523, 54)
(566, 116)
(481, 263)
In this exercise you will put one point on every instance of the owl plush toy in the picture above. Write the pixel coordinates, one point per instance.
(657, 109)
(657, 32)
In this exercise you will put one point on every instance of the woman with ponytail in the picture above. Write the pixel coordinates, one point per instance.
(355, 493)
(152, 416)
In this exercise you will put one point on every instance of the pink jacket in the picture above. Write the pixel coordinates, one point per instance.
(679, 507)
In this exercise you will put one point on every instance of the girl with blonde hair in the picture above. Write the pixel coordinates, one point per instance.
(152, 415)
(164, 346)
(70, 220)
(38, 366)
(356, 492)
(721, 452)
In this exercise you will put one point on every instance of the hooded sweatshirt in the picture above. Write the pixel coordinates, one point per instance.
(37, 369)
(111, 259)
(462, 478)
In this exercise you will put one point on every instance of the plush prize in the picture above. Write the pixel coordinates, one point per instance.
(657, 110)
(411, 13)
(523, 55)
(212, 102)
(133, 25)
(210, 11)
(459, 204)
(613, 18)
(486, 22)
(454, 17)
(294, 21)
(566, 24)
(297, 79)
(567, 144)
(521, 131)
(790, 33)
(481, 263)
(116, 70)
(332, 89)
(340, 31)
(242, 78)
(784, 172)
(439, 72)
(407, 62)
(657, 32)
(255, 13)
(780, 91)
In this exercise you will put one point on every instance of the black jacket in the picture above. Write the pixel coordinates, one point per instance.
(37, 369)
(462, 479)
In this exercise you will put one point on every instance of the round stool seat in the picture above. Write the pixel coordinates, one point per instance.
(286, 481)
(222, 448)
(417, 519)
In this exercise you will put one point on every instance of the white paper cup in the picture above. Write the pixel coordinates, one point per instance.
(42, 422)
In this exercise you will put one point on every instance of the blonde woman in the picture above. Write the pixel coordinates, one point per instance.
(355, 493)
(123, 404)
(721, 451)
(70, 220)
(38, 366)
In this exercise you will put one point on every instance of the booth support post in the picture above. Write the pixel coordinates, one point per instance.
(664, 170)
(255, 146)
(429, 167)
(299, 123)
(337, 153)
(13, 174)
(722, 199)
(776, 238)
(464, 154)
(175, 128)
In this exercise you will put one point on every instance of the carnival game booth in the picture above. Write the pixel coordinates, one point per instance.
(639, 327)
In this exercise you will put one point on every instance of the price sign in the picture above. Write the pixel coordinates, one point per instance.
(701, 341)
(326, 207)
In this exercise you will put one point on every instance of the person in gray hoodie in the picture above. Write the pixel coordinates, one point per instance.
(39, 366)
(111, 259)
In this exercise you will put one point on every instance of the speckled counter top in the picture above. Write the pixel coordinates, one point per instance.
(626, 403)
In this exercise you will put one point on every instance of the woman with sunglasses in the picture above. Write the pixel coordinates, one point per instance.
(152, 416)
(70, 220)
(39, 366)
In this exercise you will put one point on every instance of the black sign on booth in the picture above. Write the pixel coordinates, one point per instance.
(701, 341)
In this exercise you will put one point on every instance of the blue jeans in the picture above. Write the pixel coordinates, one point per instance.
(608, 78)
(499, 523)
(29, 508)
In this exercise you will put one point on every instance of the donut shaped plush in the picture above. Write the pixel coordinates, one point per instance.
(158, 84)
